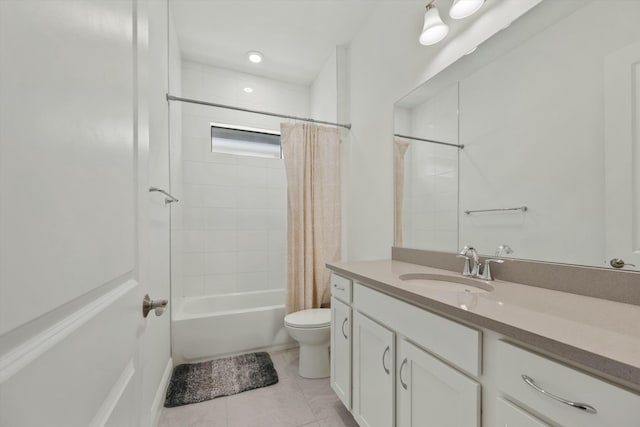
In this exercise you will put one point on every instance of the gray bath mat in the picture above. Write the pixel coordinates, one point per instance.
(197, 382)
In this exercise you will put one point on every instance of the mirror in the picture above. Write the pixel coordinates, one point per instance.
(547, 114)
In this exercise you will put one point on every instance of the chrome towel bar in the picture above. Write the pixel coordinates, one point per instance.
(168, 199)
(519, 208)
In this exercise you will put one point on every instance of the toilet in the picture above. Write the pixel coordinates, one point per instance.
(312, 329)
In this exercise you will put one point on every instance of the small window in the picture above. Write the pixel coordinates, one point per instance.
(245, 141)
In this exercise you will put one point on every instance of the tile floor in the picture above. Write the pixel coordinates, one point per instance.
(293, 402)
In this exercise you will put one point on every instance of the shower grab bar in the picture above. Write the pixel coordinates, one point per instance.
(519, 208)
(168, 199)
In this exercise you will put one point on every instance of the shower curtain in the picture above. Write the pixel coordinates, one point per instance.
(399, 150)
(312, 162)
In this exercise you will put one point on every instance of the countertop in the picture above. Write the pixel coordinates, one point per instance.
(598, 335)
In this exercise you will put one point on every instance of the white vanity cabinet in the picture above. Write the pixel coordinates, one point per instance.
(562, 394)
(341, 350)
(509, 415)
(373, 373)
(431, 393)
(341, 343)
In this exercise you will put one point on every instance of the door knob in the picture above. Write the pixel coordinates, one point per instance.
(618, 263)
(156, 305)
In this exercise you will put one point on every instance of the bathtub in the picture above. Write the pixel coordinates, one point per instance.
(210, 326)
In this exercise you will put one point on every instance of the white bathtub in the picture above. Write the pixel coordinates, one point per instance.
(210, 326)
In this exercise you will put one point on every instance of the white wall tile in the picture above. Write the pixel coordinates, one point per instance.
(193, 286)
(253, 240)
(221, 241)
(220, 263)
(252, 176)
(252, 198)
(193, 218)
(277, 177)
(249, 262)
(193, 241)
(255, 281)
(214, 196)
(193, 264)
(220, 218)
(217, 284)
(219, 174)
(252, 219)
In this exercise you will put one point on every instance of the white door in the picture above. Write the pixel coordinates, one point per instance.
(431, 393)
(622, 155)
(373, 373)
(74, 213)
(341, 350)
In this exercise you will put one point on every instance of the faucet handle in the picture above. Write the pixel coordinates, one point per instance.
(486, 272)
(466, 271)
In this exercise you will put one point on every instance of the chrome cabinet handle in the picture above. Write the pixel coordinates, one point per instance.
(582, 406)
(157, 306)
(343, 323)
(384, 366)
(340, 288)
(404, 385)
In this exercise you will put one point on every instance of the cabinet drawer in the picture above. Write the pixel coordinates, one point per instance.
(341, 288)
(615, 406)
(451, 341)
(509, 415)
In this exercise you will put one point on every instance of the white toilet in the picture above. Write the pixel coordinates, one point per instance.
(312, 329)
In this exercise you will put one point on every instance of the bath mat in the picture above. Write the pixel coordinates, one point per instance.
(197, 382)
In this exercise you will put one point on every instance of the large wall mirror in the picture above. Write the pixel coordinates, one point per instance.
(529, 147)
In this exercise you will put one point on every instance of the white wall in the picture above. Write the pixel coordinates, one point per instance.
(234, 207)
(323, 92)
(386, 62)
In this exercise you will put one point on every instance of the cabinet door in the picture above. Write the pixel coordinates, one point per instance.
(341, 351)
(510, 415)
(373, 373)
(431, 393)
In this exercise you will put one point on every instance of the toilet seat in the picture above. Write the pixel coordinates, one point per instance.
(309, 319)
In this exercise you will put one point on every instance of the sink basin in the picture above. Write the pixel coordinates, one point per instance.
(442, 282)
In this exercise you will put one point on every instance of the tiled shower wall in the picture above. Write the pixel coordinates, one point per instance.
(234, 219)
(234, 225)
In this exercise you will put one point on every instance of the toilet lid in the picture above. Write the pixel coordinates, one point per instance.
(311, 318)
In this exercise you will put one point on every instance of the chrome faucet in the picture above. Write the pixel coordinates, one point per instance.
(470, 271)
(475, 271)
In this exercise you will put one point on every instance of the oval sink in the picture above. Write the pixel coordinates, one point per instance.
(442, 282)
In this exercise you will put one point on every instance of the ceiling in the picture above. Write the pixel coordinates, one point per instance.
(295, 36)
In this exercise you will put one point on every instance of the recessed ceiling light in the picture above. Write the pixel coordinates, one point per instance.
(254, 56)
(248, 89)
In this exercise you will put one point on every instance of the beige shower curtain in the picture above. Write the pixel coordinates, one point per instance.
(312, 161)
(399, 150)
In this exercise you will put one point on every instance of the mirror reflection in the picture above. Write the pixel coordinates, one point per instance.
(548, 119)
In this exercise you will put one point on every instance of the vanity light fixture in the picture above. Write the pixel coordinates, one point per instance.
(434, 29)
(255, 56)
(463, 8)
(248, 89)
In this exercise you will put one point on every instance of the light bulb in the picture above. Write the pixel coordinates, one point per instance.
(463, 8)
(434, 29)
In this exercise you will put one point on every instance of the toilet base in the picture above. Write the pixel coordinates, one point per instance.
(314, 361)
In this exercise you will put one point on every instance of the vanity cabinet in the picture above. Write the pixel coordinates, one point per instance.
(509, 415)
(341, 342)
(568, 394)
(429, 392)
(341, 350)
(373, 373)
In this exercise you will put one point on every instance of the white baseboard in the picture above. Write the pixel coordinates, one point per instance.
(158, 400)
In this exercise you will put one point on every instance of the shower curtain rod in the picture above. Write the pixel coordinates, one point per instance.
(460, 146)
(264, 113)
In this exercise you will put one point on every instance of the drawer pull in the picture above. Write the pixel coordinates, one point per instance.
(404, 362)
(582, 406)
(340, 288)
(384, 366)
(343, 334)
